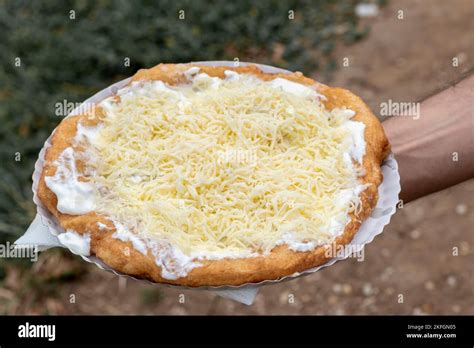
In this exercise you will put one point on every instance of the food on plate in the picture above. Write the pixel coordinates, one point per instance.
(207, 175)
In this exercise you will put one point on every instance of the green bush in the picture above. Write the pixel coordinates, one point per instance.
(70, 59)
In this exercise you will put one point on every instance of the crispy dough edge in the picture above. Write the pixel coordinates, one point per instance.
(282, 261)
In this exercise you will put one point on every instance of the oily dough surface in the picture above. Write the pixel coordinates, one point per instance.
(281, 261)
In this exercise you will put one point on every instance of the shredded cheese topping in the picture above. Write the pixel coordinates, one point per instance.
(226, 167)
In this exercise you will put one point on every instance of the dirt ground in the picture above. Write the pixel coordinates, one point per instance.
(422, 263)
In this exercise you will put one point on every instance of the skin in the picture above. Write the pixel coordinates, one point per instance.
(436, 150)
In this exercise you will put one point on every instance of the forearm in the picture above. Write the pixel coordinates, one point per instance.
(436, 150)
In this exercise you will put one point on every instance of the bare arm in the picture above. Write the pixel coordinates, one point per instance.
(436, 150)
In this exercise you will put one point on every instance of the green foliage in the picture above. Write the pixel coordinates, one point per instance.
(71, 59)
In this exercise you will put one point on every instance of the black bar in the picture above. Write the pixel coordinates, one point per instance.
(136, 330)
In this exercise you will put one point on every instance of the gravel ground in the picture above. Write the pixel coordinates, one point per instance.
(421, 264)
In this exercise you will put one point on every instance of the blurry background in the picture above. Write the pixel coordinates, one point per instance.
(401, 50)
